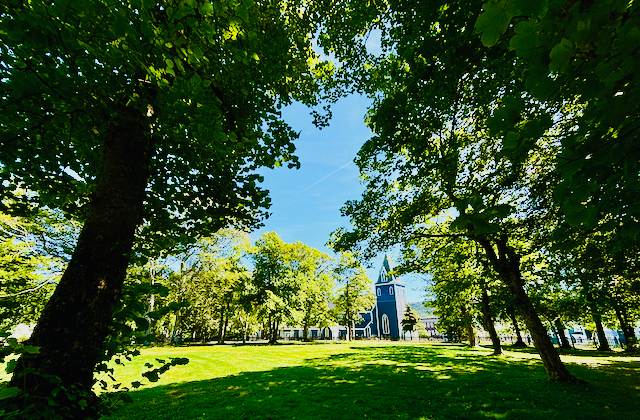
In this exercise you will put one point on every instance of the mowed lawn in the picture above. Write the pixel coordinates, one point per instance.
(379, 380)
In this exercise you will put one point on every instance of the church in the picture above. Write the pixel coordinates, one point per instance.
(383, 320)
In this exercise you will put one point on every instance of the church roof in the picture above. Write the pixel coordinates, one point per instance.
(385, 275)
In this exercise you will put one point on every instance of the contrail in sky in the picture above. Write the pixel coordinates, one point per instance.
(327, 176)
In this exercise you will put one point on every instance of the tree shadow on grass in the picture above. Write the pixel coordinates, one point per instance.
(575, 352)
(397, 382)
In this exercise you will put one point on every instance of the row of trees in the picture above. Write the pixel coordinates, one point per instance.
(504, 158)
(218, 286)
(223, 286)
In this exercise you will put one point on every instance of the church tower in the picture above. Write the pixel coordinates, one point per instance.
(391, 301)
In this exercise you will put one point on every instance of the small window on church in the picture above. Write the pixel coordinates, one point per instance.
(378, 291)
(390, 290)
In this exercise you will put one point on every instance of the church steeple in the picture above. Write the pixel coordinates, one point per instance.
(385, 275)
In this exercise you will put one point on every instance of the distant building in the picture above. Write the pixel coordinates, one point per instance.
(429, 323)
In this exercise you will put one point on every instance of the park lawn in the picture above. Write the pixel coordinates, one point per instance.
(379, 380)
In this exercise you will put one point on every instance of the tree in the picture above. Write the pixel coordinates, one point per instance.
(409, 320)
(146, 118)
(354, 294)
(460, 283)
(220, 258)
(438, 95)
(313, 270)
(581, 55)
(275, 286)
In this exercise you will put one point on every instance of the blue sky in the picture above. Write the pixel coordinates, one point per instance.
(306, 202)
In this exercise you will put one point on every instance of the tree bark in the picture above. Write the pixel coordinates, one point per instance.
(468, 324)
(507, 264)
(627, 329)
(221, 324)
(75, 321)
(244, 330)
(274, 333)
(564, 341)
(514, 320)
(226, 320)
(603, 344)
(488, 322)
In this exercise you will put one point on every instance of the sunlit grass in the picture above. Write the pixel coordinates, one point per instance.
(378, 380)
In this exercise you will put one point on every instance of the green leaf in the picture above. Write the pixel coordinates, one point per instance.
(560, 55)
(8, 392)
(29, 349)
(492, 22)
(533, 8)
(11, 365)
(524, 40)
(206, 9)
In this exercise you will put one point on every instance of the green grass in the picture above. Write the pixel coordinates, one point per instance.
(379, 380)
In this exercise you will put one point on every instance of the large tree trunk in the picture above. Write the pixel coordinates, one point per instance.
(514, 320)
(603, 344)
(564, 342)
(75, 322)
(488, 322)
(507, 264)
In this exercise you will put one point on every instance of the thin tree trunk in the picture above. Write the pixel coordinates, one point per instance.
(592, 301)
(226, 325)
(468, 324)
(274, 333)
(507, 264)
(514, 320)
(564, 342)
(603, 344)
(488, 322)
(627, 329)
(75, 322)
(221, 324)
(244, 330)
(348, 323)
